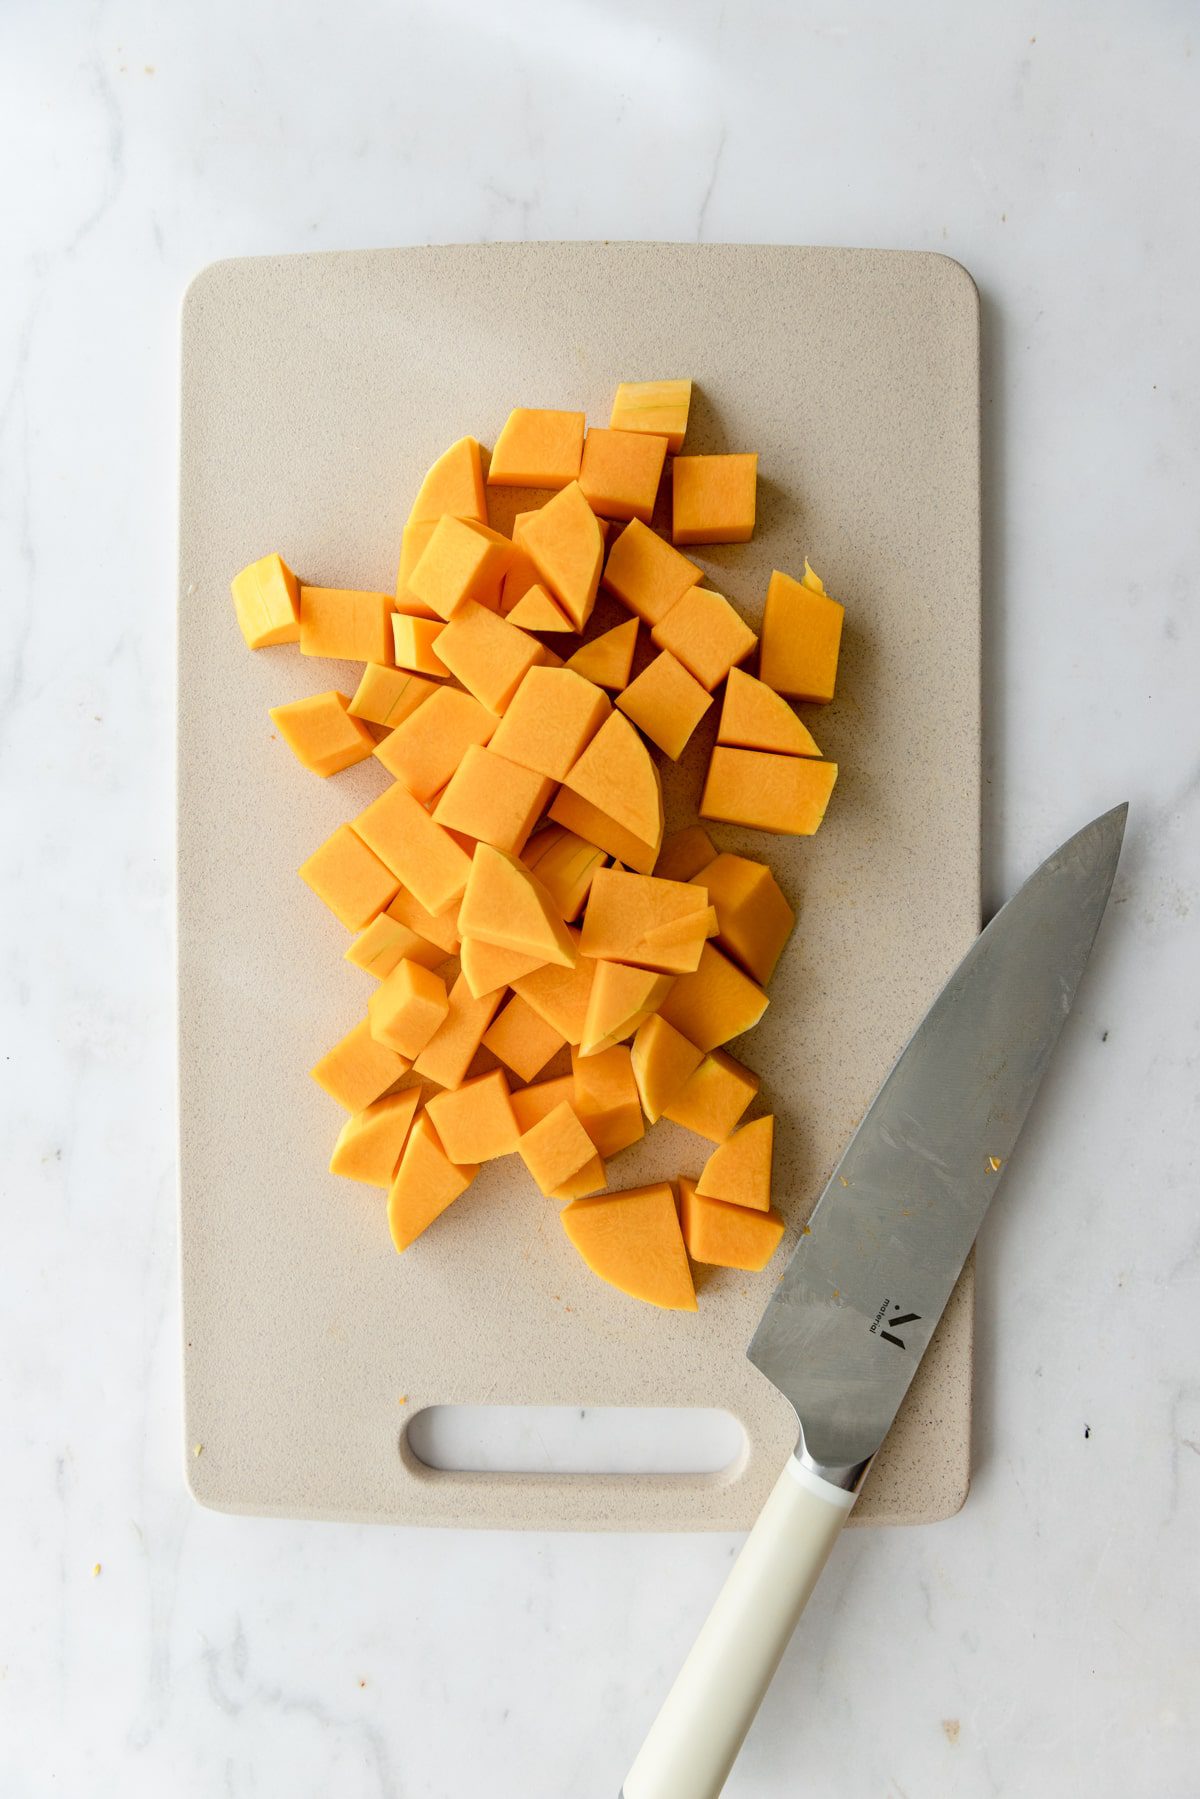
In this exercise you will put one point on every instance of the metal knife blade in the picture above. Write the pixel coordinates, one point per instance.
(859, 1300)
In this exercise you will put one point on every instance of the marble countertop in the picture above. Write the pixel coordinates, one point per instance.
(1045, 1641)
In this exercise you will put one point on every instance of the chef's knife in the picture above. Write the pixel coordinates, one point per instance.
(861, 1297)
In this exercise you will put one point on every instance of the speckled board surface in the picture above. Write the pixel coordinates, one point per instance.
(316, 389)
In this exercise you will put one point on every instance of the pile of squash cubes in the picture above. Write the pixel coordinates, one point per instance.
(511, 890)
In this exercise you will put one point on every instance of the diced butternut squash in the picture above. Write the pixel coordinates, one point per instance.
(713, 498)
(659, 407)
(413, 644)
(436, 927)
(666, 702)
(565, 542)
(521, 1039)
(454, 484)
(407, 1007)
(493, 800)
(385, 942)
(633, 1241)
(413, 540)
(369, 1143)
(616, 777)
(560, 995)
(507, 905)
(801, 638)
(585, 820)
(488, 969)
(591, 1178)
(706, 634)
(475, 1122)
(754, 920)
(357, 1069)
(620, 472)
(535, 609)
(531, 1104)
(784, 794)
(266, 598)
(426, 1182)
(551, 719)
(452, 1048)
(713, 1098)
(684, 853)
(607, 659)
(538, 448)
(621, 998)
(352, 880)
(755, 717)
(606, 1099)
(322, 734)
(725, 1236)
(424, 751)
(387, 696)
(662, 1060)
(565, 865)
(556, 1147)
(624, 910)
(490, 656)
(422, 856)
(457, 564)
(739, 1170)
(715, 1003)
(341, 622)
(646, 574)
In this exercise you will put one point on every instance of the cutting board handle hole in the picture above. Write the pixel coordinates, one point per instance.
(559, 1439)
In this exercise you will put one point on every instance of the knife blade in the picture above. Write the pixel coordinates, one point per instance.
(854, 1311)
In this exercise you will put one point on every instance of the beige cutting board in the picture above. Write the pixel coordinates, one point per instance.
(316, 389)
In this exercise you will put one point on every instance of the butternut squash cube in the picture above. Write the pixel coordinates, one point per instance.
(715, 1003)
(551, 719)
(534, 608)
(662, 1060)
(646, 574)
(505, 904)
(633, 1241)
(801, 638)
(370, 1142)
(321, 733)
(684, 853)
(565, 865)
(407, 1007)
(784, 794)
(617, 780)
(620, 472)
(659, 407)
(385, 942)
(621, 998)
(489, 970)
(493, 800)
(422, 856)
(755, 717)
(754, 920)
(413, 644)
(706, 634)
(266, 598)
(426, 1182)
(454, 484)
(713, 498)
(606, 1099)
(538, 447)
(440, 928)
(560, 995)
(413, 539)
(739, 1170)
(475, 1122)
(565, 542)
(426, 748)
(713, 1098)
(387, 696)
(555, 1148)
(591, 1178)
(351, 879)
(725, 1236)
(452, 1048)
(607, 659)
(457, 564)
(532, 1104)
(585, 820)
(624, 910)
(340, 622)
(357, 1069)
(666, 702)
(522, 1040)
(490, 656)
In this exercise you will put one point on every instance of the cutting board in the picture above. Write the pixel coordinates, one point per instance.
(316, 390)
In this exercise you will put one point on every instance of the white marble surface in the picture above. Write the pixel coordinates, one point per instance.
(1046, 1641)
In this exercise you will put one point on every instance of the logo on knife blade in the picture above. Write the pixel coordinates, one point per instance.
(894, 1323)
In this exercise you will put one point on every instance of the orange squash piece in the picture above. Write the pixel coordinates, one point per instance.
(633, 1241)
(801, 638)
(564, 540)
(585, 820)
(407, 1007)
(676, 931)
(712, 1100)
(646, 574)
(617, 779)
(490, 656)
(387, 696)
(414, 644)
(426, 1182)
(424, 751)
(621, 998)
(385, 942)
(534, 608)
(440, 928)
(666, 702)
(659, 407)
(707, 635)
(413, 540)
(607, 659)
(715, 1003)
(565, 865)
(754, 920)
(351, 879)
(713, 498)
(662, 1060)
(370, 1142)
(684, 853)
(531, 1104)
(739, 1170)
(606, 1099)
(560, 995)
(552, 717)
(591, 1178)
(454, 484)
(620, 472)
(266, 598)
(459, 563)
(522, 1040)
(507, 905)
(538, 447)
(321, 733)
(725, 1236)
(452, 1048)
(555, 1148)
(493, 800)
(624, 910)
(755, 717)
(475, 1122)
(488, 969)
(340, 622)
(357, 1069)
(422, 856)
(784, 794)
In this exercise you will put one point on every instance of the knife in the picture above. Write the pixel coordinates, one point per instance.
(862, 1295)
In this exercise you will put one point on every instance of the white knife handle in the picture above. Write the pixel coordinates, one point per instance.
(694, 1741)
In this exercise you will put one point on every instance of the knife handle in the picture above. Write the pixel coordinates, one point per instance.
(694, 1741)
